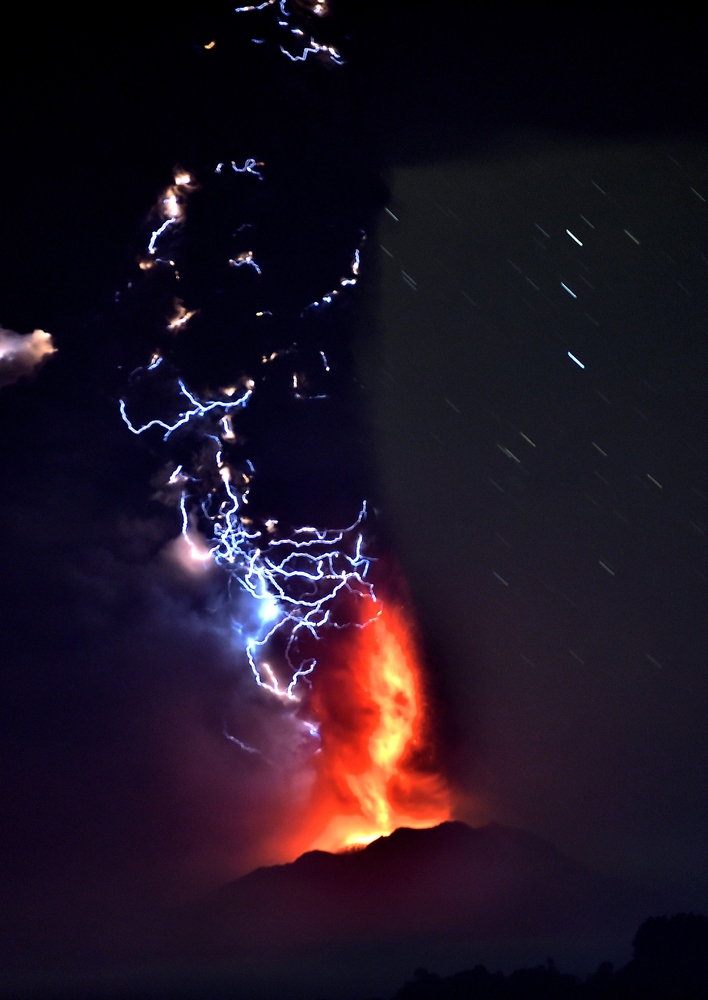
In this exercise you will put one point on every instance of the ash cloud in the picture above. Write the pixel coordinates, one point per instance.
(122, 795)
(121, 682)
(20, 353)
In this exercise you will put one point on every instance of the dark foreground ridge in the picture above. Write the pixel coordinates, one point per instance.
(344, 924)
(485, 884)
(670, 962)
(352, 926)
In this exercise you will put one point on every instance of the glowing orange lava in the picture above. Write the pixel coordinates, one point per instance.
(377, 768)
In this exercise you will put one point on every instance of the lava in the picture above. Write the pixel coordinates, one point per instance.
(305, 617)
(377, 768)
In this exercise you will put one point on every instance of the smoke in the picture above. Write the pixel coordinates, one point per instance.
(21, 353)
(241, 387)
(294, 605)
(195, 557)
(122, 688)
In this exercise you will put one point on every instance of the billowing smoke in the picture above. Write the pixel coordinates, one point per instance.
(21, 353)
(241, 389)
(299, 605)
(199, 624)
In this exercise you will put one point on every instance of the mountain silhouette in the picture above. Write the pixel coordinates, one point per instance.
(450, 895)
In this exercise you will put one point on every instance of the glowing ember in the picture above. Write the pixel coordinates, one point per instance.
(180, 316)
(375, 745)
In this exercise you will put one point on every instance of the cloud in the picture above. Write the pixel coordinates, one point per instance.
(128, 713)
(21, 353)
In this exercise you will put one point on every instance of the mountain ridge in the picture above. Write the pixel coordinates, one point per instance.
(477, 884)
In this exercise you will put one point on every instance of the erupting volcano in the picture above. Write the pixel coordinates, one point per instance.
(337, 665)
(377, 771)
(304, 609)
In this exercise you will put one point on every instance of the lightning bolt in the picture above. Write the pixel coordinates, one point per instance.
(304, 47)
(285, 589)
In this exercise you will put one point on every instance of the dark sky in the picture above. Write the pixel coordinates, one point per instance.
(551, 519)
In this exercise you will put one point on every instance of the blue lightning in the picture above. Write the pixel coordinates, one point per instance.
(245, 260)
(293, 582)
(312, 49)
(346, 282)
(158, 233)
(258, 6)
(199, 409)
(286, 589)
(249, 167)
(283, 20)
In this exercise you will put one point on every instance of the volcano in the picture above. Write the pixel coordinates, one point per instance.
(446, 897)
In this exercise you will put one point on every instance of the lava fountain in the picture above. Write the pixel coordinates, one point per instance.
(328, 653)
(377, 770)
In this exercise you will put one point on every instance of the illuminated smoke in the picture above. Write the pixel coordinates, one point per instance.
(378, 770)
(336, 664)
(21, 353)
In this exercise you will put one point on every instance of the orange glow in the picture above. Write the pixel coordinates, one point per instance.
(376, 768)
(180, 315)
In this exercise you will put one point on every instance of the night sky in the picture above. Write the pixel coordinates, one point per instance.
(552, 517)
(535, 194)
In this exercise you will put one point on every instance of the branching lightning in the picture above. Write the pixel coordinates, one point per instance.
(199, 409)
(285, 590)
(344, 283)
(299, 45)
(288, 588)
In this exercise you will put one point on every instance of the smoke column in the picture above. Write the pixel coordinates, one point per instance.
(313, 613)
(21, 353)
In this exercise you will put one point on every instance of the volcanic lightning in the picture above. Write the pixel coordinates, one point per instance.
(307, 617)
(380, 777)
(297, 45)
